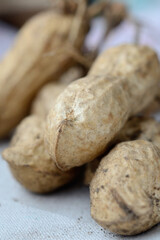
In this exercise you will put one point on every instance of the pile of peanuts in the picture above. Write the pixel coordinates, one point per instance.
(75, 120)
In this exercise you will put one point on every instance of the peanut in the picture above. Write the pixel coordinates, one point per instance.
(47, 96)
(89, 171)
(72, 74)
(125, 196)
(27, 67)
(91, 111)
(27, 157)
(30, 163)
(46, 99)
(153, 107)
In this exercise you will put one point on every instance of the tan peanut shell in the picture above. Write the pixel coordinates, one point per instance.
(27, 66)
(72, 74)
(89, 171)
(130, 61)
(143, 128)
(153, 107)
(47, 96)
(92, 110)
(125, 191)
(29, 161)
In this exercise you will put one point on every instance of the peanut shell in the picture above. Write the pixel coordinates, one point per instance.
(30, 163)
(92, 110)
(46, 97)
(41, 53)
(125, 191)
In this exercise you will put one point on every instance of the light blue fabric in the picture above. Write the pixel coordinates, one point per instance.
(140, 5)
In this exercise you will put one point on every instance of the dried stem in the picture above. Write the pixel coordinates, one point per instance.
(97, 8)
(64, 6)
(114, 14)
(77, 56)
(77, 22)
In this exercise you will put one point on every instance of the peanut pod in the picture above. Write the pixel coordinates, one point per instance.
(92, 110)
(27, 157)
(125, 196)
(27, 66)
(46, 97)
(30, 163)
